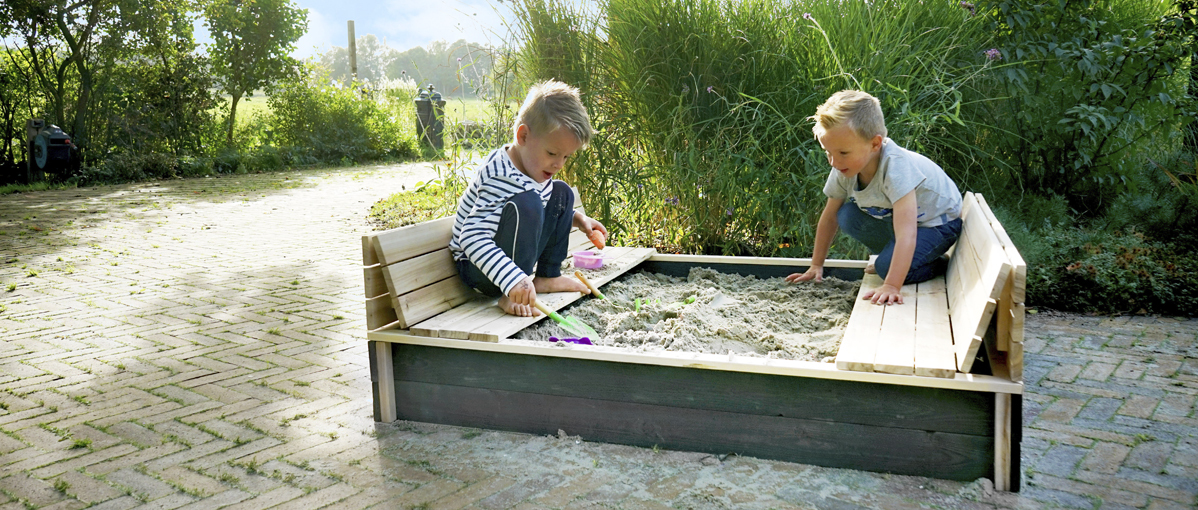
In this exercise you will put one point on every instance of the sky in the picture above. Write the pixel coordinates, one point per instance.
(404, 24)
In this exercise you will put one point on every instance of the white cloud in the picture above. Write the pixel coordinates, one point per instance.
(320, 36)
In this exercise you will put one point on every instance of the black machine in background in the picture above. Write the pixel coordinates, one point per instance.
(51, 152)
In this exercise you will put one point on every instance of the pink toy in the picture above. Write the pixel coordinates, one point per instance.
(588, 259)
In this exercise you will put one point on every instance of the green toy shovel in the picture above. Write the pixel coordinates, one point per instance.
(570, 324)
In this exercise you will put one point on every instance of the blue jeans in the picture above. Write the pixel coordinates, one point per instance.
(540, 238)
(878, 236)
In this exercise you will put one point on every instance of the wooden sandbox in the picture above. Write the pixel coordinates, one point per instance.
(929, 388)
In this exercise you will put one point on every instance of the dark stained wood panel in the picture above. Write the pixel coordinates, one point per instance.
(849, 402)
(901, 451)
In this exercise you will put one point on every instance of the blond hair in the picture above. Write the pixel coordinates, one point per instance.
(861, 111)
(552, 104)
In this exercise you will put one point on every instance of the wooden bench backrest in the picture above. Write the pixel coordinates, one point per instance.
(410, 275)
(985, 275)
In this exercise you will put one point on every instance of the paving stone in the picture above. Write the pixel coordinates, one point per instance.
(1150, 456)
(1139, 406)
(1105, 457)
(1100, 408)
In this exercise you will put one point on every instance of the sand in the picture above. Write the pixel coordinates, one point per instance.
(729, 314)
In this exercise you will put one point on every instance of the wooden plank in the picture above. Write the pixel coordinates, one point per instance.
(380, 313)
(416, 306)
(442, 324)
(506, 325)
(929, 409)
(1010, 304)
(900, 451)
(1015, 354)
(375, 283)
(860, 341)
(420, 271)
(966, 351)
(403, 243)
(1002, 442)
(756, 261)
(724, 362)
(368, 256)
(972, 297)
(896, 343)
(1019, 291)
(934, 354)
(462, 320)
(386, 381)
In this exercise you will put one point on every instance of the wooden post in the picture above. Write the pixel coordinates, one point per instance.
(1002, 441)
(386, 381)
(353, 53)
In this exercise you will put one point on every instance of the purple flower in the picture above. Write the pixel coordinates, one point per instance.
(728, 211)
(672, 201)
(807, 15)
(993, 54)
(459, 59)
(970, 7)
(710, 90)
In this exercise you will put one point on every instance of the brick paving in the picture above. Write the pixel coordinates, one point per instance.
(200, 344)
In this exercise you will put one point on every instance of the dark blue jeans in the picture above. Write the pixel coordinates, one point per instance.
(537, 236)
(878, 236)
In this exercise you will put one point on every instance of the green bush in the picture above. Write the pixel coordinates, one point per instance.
(341, 124)
(1096, 270)
(1089, 88)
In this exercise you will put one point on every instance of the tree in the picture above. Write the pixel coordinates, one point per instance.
(252, 40)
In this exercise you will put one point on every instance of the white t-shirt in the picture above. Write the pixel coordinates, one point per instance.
(900, 172)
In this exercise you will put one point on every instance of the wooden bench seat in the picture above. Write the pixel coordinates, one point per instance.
(943, 322)
(412, 284)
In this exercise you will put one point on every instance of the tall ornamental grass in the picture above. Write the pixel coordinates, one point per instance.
(701, 106)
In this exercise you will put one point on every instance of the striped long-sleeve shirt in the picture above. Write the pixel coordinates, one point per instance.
(478, 215)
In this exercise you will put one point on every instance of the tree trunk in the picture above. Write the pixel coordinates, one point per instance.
(83, 104)
(233, 117)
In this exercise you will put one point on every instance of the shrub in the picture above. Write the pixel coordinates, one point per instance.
(341, 124)
(1095, 270)
(129, 166)
(1090, 86)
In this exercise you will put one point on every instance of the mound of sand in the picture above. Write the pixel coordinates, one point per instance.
(728, 313)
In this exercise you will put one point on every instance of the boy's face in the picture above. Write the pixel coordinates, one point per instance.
(849, 153)
(542, 157)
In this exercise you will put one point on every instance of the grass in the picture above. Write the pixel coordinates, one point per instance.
(427, 202)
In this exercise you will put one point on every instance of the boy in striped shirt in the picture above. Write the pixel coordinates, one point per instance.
(514, 216)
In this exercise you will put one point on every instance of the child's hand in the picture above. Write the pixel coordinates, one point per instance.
(813, 273)
(589, 225)
(524, 293)
(887, 294)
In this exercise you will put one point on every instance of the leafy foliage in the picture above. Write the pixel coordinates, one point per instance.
(335, 123)
(1088, 85)
(252, 42)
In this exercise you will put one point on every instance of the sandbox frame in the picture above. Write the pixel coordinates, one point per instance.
(959, 428)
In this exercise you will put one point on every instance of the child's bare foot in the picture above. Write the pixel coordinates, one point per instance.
(559, 284)
(513, 308)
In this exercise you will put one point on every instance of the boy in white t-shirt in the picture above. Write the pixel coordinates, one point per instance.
(898, 203)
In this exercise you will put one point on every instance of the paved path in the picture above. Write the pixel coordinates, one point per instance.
(199, 344)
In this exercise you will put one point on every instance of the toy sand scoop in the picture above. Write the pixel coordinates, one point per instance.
(571, 324)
